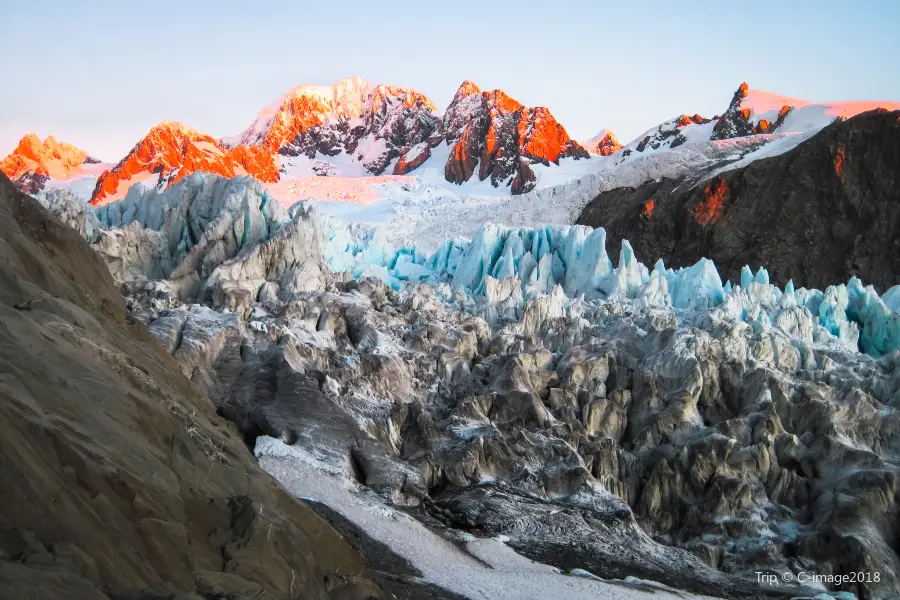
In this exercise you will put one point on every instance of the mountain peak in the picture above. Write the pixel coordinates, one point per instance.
(604, 143)
(172, 150)
(495, 136)
(174, 128)
(466, 88)
(48, 158)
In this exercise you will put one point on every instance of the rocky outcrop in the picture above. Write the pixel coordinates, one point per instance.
(492, 131)
(817, 214)
(120, 481)
(739, 121)
(412, 159)
(171, 151)
(734, 122)
(670, 134)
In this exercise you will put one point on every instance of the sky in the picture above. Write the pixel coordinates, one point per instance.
(101, 74)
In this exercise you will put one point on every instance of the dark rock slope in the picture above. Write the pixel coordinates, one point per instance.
(818, 214)
(119, 481)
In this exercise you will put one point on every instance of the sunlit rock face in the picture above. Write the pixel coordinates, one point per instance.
(34, 162)
(500, 136)
(171, 151)
(370, 124)
(599, 414)
(49, 157)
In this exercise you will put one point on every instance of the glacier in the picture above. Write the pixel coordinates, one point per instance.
(664, 396)
(513, 265)
(575, 259)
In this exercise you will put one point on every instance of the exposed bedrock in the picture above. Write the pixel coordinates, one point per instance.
(820, 213)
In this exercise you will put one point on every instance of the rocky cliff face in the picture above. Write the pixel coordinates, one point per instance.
(818, 214)
(501, 138)
(120, 482)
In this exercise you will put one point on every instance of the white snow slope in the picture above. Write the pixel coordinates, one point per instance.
(486, 570)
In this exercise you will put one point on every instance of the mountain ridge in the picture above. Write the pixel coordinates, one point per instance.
(357, 129)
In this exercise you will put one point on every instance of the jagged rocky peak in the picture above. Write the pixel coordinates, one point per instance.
(604, 143)
(171, 151)
(502, 138)
(373, 123)
(744, 114)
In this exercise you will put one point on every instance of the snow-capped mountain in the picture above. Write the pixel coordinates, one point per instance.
(171, 151)
(355, 129)
(359, 141)
(352, 128)
(36, 164)
(750, 113)
(502, 139)
(604, 143)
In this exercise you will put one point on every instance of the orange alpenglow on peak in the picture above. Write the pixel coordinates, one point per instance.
(467, 88)
(284, 124)
(174, 150)
(497, 137)
(49, 158)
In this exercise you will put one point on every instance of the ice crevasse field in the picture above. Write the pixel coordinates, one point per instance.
(506, 267)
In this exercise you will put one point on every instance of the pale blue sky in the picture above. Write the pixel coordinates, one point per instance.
(100, 74)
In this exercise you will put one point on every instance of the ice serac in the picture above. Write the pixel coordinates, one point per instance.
(171, 151)
(34, 162)
(72, 211)
(509, 266)
(501, 138)
(603, 144)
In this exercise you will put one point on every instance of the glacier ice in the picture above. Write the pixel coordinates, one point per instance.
(575, 259)
(502, 266)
